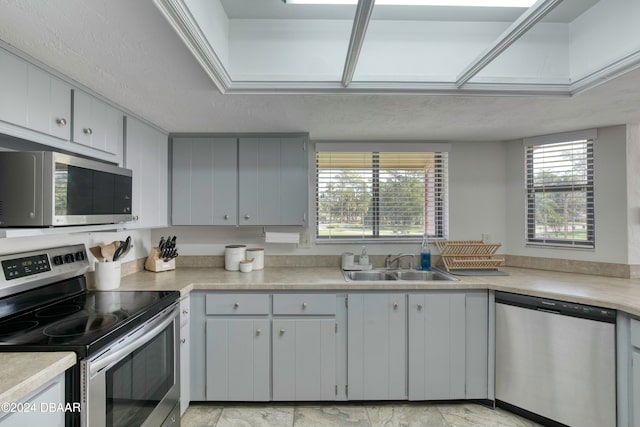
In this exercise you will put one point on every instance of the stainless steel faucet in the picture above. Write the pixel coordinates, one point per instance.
(390, 260)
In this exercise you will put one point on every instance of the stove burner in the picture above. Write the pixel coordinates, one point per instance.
(13, 328)
(58, 311)
(80, 325)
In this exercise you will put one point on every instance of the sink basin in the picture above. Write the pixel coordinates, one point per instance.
(397, 275)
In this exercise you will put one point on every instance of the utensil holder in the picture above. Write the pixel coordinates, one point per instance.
(156, 264)
(107, 275)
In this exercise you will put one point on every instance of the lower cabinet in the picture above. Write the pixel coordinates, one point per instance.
(635, 368)
(297, 346)
(238, 359)
(448, 345)
(377, 346)
(36, 409)
(304, 359)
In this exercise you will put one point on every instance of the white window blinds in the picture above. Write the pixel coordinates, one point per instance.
(381, 195)
(560, 207)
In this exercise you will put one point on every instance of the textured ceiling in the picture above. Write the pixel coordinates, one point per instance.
(125, 51)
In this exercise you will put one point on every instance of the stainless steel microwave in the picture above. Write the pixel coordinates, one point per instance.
(48, 189)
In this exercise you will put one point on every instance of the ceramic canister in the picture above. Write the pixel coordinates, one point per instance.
(257, 254)
(233, 254)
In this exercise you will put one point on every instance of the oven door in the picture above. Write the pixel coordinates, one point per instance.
(136, 381)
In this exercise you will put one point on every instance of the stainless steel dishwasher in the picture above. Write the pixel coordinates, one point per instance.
(555, 361)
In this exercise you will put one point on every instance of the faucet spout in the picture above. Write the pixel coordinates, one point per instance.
(389, 260)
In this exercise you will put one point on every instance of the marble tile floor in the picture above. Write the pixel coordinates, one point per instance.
(352, 414)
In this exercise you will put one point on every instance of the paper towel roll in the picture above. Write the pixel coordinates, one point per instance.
(277, 237)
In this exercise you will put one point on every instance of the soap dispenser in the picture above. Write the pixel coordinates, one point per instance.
(364, 258)
(425, 254)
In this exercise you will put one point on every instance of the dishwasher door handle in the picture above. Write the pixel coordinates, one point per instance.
(548, 310)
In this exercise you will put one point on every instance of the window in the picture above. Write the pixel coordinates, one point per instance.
(381, 195)
(560, 208)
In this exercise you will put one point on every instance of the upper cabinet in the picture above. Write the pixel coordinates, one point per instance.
(225, 180)
(97, 124)
(36, 106)
(146, 154)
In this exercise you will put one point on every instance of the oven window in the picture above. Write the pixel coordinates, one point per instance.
(138, 383)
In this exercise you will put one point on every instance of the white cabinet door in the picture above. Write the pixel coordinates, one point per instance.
(304, 359)
(13, 89)
(52, 393)
(237, 359)
(146, 155)
(377, 346)
(49, 104)
(185, 371)
(635, 363)
(437, 346)
(273, 181)
(204, 181)
(97, 125)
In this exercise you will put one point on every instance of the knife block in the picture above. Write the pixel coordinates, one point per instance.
(156, 264)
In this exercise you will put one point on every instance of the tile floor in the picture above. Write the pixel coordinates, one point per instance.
(360, 415)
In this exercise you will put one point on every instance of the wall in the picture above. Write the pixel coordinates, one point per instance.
(633, 194)
(476, 199)
(610, 168)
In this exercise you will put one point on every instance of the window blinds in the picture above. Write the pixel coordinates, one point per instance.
(560, 205)
(383, 195)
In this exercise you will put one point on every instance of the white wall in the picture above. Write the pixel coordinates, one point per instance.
(476, 198)
(139, 238)
(633, 194)
(610, 184)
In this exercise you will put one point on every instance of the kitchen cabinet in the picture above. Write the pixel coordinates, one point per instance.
(97, 124)
(185, 356)
(448, 345)
(227, 180)
(33, 99)
(238, 359)
(147, 155)
(377, 346)
(635, 375)
(204, 181)
(13, 87)
(304, 356)
(34, 413)
(273, 181)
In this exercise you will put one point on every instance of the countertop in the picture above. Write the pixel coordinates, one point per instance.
(609, 292)
(23, 373)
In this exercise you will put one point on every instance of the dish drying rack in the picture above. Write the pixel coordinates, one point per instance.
(469, 255)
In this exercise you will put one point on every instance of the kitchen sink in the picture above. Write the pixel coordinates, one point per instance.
(397, 275)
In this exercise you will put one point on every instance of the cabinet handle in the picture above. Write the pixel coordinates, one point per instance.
(304, 305)
(395, 305)
(87, 131)
(226, 217)
(419, 307)
(61, 121)
(258, 332)
(247, 216)
(235, 306)
(183, 340)
(281, 332)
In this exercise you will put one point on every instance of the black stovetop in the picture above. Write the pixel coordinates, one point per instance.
(67, 317)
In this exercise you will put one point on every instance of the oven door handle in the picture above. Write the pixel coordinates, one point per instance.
(138, 342)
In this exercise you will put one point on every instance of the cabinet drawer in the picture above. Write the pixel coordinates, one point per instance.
(635, 333)
(237, 304)
(310, 304)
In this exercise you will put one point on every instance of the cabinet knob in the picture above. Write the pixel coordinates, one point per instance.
(281, 332)
(395, 305)
(304, 305)
(258, 332)
(419, 307)
(247, 216)
(87, 131)
(183, 340)
(235, 306)
(61, 121)
(185, 311)
(226, 216)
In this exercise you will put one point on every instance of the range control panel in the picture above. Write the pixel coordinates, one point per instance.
(42, 266)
